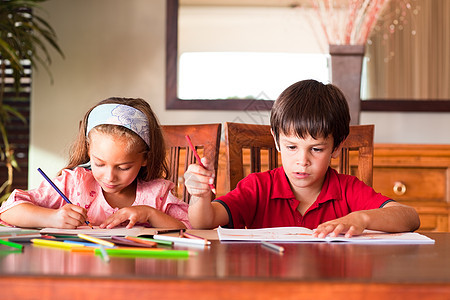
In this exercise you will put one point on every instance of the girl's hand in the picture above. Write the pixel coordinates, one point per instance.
(198, 179)
(132, 214)
(141, 214)
(68, 216)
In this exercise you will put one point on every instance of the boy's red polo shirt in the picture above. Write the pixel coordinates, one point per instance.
(266, 200)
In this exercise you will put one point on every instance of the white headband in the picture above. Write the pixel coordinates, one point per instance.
(122, 115)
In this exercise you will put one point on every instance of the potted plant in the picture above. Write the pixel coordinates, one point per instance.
(24, 37)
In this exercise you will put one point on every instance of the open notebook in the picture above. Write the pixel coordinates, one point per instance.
(301, 234)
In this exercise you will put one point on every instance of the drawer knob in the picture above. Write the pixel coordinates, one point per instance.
(399, 188)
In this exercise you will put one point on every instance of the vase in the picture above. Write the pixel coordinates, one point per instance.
(346, 68)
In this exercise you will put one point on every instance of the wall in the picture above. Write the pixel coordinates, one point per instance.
(117, 48)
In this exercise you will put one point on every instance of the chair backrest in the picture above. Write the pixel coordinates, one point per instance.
(360, 139)
(258, 137)
(206, 140)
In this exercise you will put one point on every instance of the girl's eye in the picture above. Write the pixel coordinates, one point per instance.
(98, 165)
(124, 168)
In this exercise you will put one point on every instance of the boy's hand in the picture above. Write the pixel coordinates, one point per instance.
(350, 225)
(197, 179)
(132, 214)
(68, 216)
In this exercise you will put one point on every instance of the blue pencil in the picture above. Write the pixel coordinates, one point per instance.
(59, 191)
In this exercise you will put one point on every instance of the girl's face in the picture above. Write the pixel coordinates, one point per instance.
(114, 164)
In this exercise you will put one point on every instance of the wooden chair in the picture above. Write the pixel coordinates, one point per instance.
(258, 138)
(206, 140)
(360, 139)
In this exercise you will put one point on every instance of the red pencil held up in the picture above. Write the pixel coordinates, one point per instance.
(213, 189)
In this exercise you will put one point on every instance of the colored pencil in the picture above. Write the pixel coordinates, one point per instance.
(141, 241)
(213, 189)
(81, 244)
(54, 244)
(274, 247)
(178, 240)
(92, 249)
(191, 236)
(119, 240)
(104, 254)
(11, 244)
(59, 191)
(159, 231)
(166, 243)
(141, 252)
(95, 240)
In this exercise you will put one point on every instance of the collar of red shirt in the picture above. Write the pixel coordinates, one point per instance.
(282, 190)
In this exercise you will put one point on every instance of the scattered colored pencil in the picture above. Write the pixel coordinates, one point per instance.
(274, 247)
(178, 240)
(59, 191)
(166, 243)
(191, 236)
(213, 189)
(141, 241)
(11, 244)
(54, 244)
(143, 252)
(81, 244)
(103, 253)
(95, 240)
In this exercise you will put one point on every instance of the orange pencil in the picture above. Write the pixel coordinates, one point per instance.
(141, 241)
(213, 189)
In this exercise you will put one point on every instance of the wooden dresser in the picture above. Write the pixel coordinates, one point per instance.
(416, 175)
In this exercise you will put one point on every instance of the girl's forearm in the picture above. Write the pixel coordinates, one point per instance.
(27, 215)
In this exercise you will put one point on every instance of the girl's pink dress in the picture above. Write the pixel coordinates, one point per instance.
(81, 188)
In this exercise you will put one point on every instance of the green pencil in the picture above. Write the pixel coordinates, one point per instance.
(11, 244)
(168, 243)
(146, 253)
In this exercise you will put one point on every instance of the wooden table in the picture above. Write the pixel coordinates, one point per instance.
(236, 271)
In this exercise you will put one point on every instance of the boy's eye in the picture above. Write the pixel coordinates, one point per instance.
(290, 147)
(317, 149)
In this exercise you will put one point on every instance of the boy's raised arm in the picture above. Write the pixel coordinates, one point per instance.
(203, 213)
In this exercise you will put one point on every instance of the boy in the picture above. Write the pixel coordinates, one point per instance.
(309, 121)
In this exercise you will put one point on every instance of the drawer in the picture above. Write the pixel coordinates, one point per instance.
(433, 216)
(411, 184)
(434, 222)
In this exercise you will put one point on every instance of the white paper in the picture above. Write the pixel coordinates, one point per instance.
(301, 234)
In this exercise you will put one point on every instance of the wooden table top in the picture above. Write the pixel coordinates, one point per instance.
(319, 269)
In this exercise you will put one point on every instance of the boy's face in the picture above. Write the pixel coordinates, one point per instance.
(305, 161)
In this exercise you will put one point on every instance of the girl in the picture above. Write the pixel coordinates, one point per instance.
(124, 178)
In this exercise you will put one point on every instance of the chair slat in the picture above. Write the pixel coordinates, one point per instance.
(205, 137)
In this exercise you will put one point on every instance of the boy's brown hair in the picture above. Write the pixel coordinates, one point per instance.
(309, 107)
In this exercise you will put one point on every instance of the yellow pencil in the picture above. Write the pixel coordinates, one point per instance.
(95, 240)
(49, 243)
